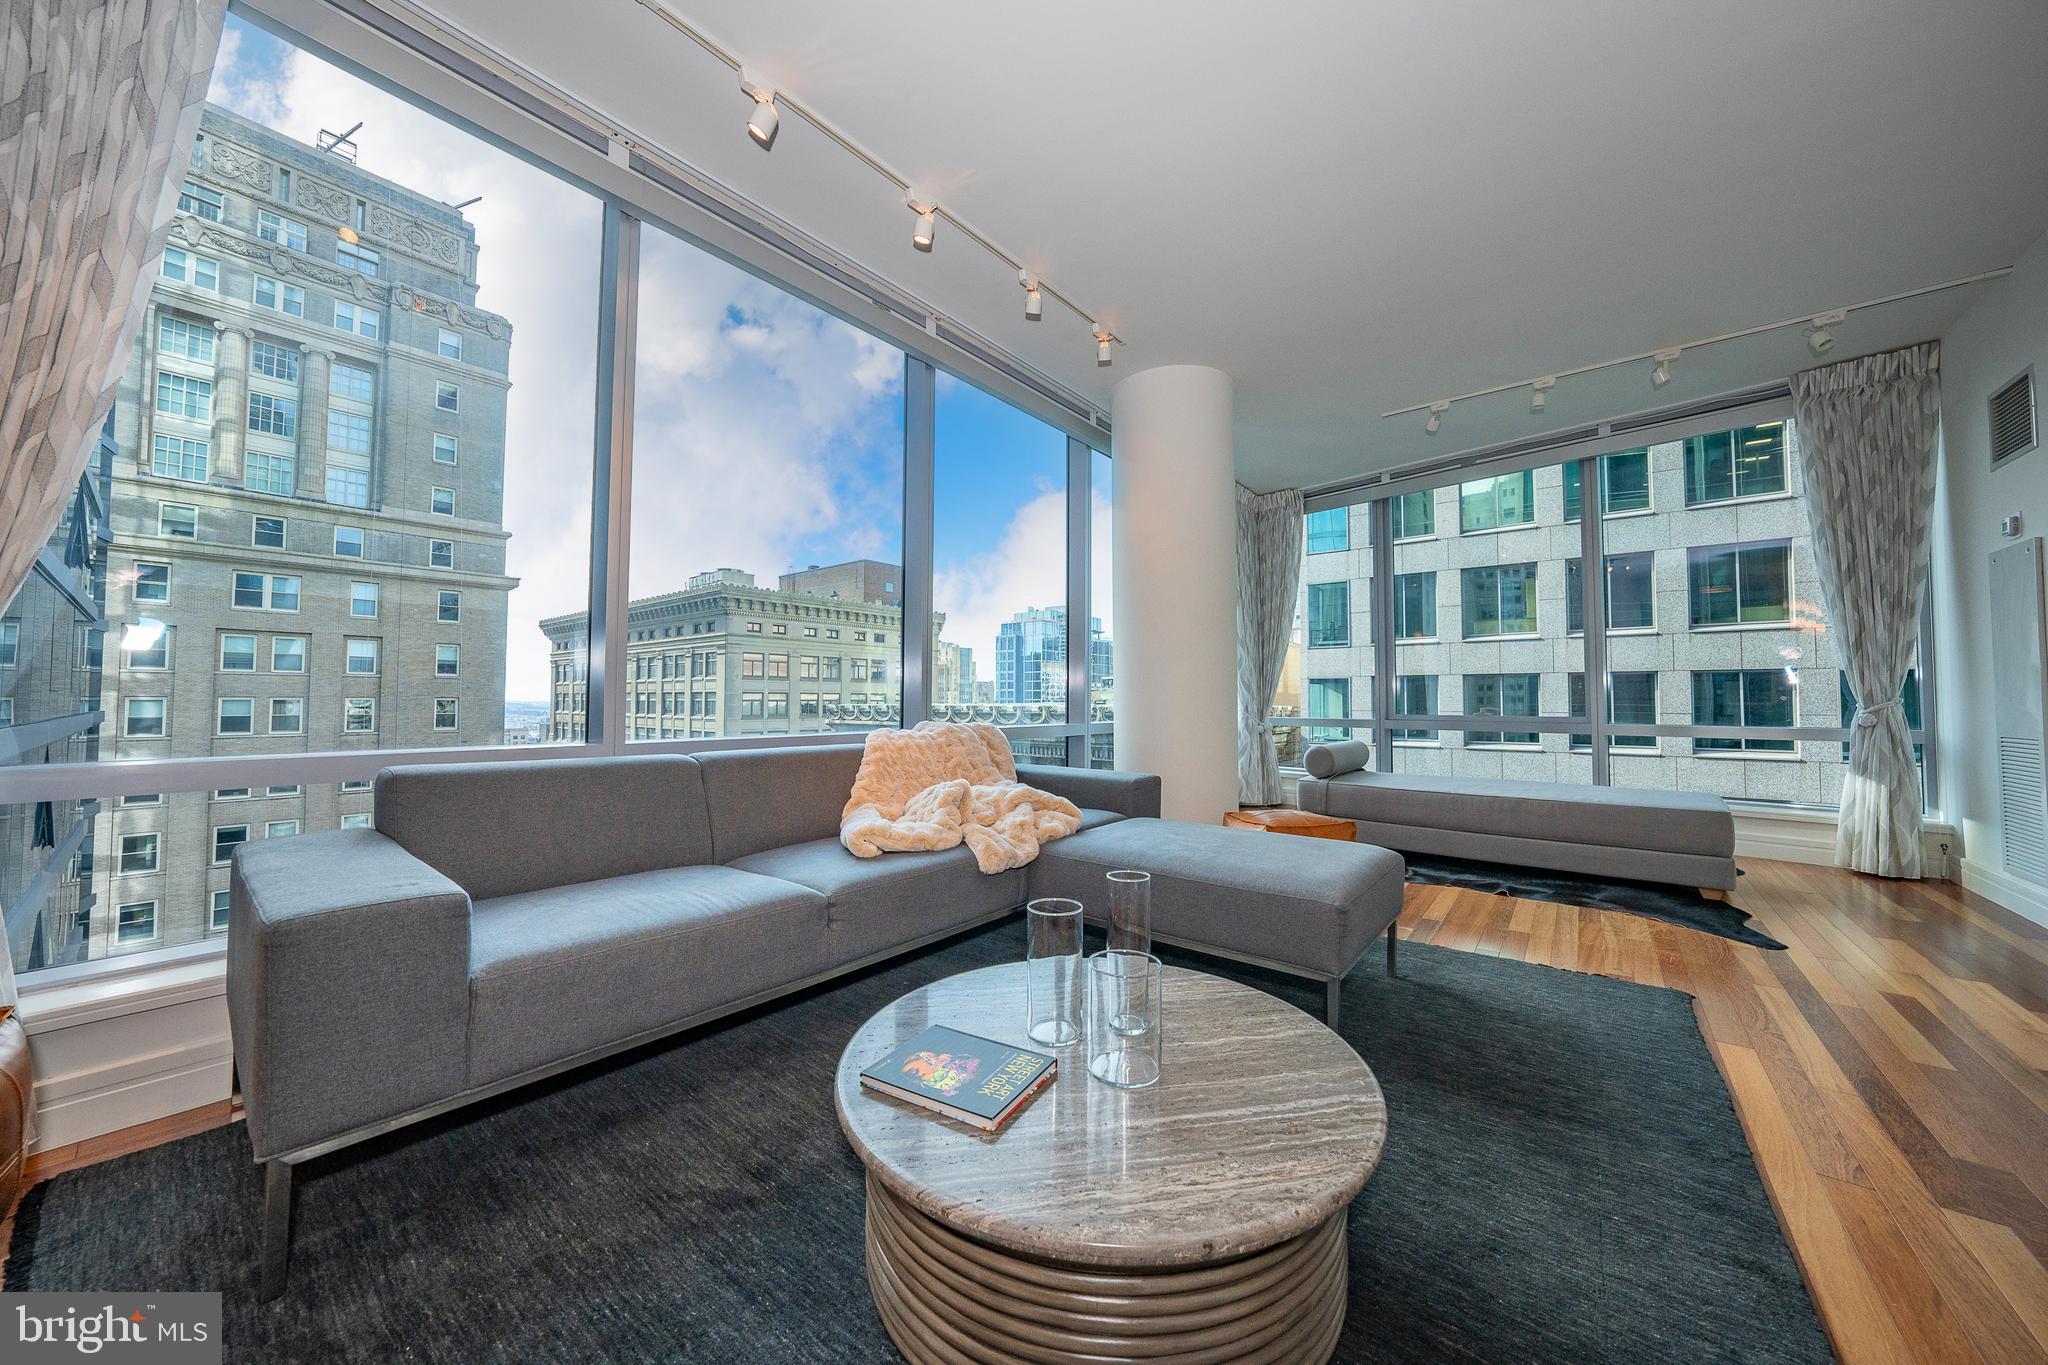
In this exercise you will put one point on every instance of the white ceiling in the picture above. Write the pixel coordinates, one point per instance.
(1356, 206)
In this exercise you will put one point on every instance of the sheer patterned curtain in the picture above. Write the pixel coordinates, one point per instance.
(1269, 532)
(99, 104)
(1866, 441)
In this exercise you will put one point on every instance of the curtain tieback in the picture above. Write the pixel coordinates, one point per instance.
(1866, 716)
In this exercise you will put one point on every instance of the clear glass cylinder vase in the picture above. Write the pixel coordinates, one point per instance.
(1052, 971)
(1126, 1045)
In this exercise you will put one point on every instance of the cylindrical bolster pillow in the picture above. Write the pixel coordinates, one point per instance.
(1342, 756)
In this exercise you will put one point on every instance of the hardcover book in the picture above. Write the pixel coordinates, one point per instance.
(970, 1079)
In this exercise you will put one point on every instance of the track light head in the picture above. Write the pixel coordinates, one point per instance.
(927, 225)
(1034, 300)
(761, 124)
(1820, 336)
(1539, 392)
(1436, 415)
(1661, 375)
(1103, 336)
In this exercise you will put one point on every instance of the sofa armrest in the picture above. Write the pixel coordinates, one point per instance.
(1132, 794)
(347, 983)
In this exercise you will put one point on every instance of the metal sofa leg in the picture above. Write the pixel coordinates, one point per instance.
(1392, 940)
(277, 1229)
(1333, 1001)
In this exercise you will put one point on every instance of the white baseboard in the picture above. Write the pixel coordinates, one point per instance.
(1996, 884)
(1796, 835)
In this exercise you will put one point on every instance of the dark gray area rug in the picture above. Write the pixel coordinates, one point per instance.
(1565, 1180)
(1681, 905)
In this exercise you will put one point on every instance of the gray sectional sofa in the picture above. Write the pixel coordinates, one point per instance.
(1638, 833)
(507, 921)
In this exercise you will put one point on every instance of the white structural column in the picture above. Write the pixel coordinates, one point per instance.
(1173, 487)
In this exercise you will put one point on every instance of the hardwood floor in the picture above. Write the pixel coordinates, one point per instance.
(1890, 1068)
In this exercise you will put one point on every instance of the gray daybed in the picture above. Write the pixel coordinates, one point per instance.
(507, 921)
(1640, 834)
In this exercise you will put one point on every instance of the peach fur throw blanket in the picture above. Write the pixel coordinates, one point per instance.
(941, 784)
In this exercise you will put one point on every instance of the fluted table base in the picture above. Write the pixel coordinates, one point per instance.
(948, 1299)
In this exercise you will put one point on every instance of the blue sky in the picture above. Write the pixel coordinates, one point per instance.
(768, 434)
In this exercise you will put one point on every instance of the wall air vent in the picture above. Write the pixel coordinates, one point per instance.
(2019, 657)
(2014, 429)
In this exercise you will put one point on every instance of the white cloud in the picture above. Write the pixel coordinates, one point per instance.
(1026, 567)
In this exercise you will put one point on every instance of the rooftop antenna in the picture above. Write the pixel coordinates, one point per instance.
(340, 144)
(473, 199)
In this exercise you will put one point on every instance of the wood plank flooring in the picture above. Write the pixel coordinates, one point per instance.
(1890, 1068)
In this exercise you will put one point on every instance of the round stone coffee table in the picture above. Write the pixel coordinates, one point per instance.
(1200, 1219)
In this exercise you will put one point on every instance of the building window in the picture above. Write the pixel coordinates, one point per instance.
(151, 651)
(450, 606)
(443, 504)
(362, 656)
(222, 903)
(1329, 614)
(348, 431)
(273, 416)
(1909, 701)
(180, 395)
(1740, 585)
(351, 317)
(10, 643)
(359, 715)
(1500, 694)
(178, 520)
(280, 829)
(1329, 531)
(778, 666)
(266, 591)
(360, 820)
(1624, 485)
(362, 599)
(288, 654)
(1499, 600)
(144, 718)
(1631, 700)
(444, 448)
(1414, 695)
(447, 661)
(348, 487)
(135, 922)
(348, 542)
(751, 666)
(1415, 606)
(288, 299)
(138, 853)
(1756, 697)
(201, 272)
(451, 344)
(1415, 516)
(1491, 504)
(351, 381)
(238, 653)
(192, 340)
(1328, 697)
(226, 839)
(1629, 589)
(447, 397)
(287, 716)
(1723, 466)
(354, 256)
(441, 554)
(263, 473)
(177, 457)
(283, 231)
(234, 716)
(201, 202)
(152, 582)
(778, 706)
(267, 533)
(273, 361)
(750, 705)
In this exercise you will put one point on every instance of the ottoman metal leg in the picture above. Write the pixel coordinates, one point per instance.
(277, 1229)
(1333, 1001)
(1392, 939)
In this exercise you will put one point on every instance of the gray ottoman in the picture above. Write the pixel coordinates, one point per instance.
(1309, 907)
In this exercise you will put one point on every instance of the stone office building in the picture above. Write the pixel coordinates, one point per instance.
(725, 656)
(307, 509)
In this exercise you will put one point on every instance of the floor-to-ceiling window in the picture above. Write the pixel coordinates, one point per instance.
(1327, 673)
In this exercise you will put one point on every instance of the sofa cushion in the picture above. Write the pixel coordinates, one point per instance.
(770, 798)
(1618, 817)
(1091, 817)
(1311, 905)
(558, 972)
(497, 829)
(875, 904)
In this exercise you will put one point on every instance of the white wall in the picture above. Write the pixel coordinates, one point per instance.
(2002, 334)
